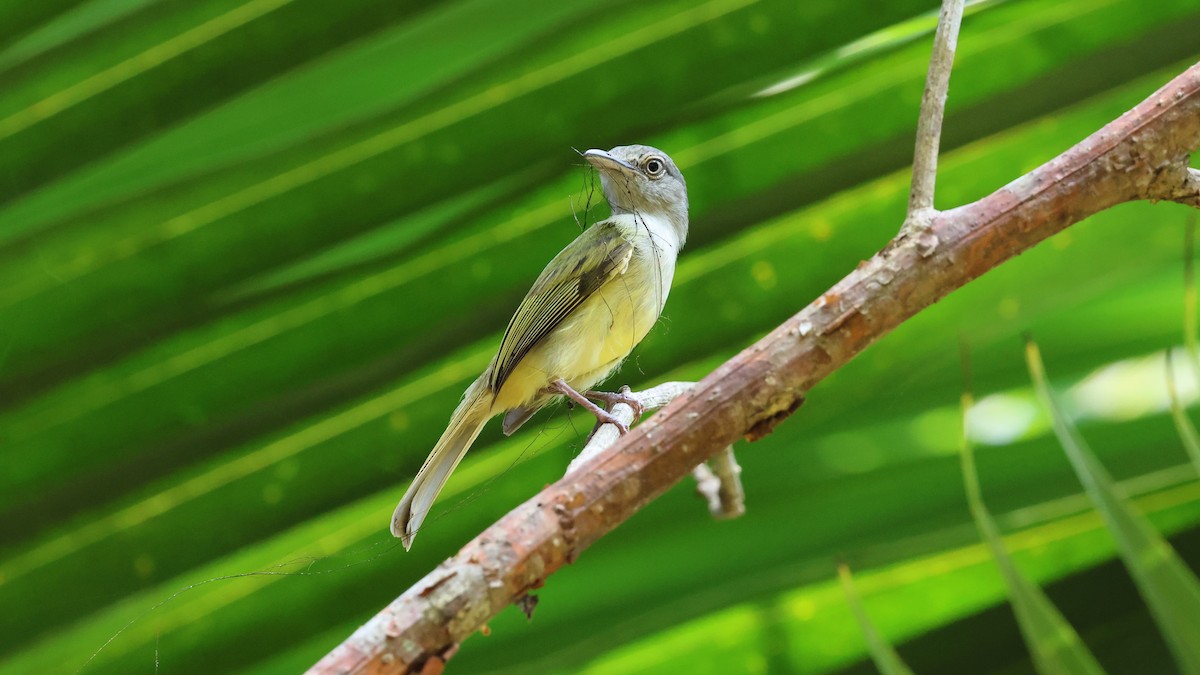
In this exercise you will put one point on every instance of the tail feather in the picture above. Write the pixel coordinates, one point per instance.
(518, 416)
(464, 427)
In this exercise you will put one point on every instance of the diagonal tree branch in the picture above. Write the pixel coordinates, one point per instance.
(1141, 155)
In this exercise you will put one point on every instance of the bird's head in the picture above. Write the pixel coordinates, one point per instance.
(642, 179)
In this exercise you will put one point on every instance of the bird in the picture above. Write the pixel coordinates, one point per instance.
(587, 310)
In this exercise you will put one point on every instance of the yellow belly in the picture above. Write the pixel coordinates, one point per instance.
(590, 343)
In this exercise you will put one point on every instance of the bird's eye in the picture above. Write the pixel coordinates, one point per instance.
(655, 167)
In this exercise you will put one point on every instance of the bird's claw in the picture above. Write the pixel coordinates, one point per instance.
(612, 398)
(604, 417)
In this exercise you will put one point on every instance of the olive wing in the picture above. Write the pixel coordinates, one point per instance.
(599, 254)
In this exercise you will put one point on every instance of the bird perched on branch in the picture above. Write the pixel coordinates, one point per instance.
(587, 310)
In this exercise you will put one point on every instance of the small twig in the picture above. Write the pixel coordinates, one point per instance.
(933, 108)
(607, 434)
(1188, 190)
(1175, 181)
(720, 482)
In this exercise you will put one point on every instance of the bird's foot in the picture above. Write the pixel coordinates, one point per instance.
(603, 416)
(612, 398)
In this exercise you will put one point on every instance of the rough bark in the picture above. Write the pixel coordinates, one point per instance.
(1141, 155)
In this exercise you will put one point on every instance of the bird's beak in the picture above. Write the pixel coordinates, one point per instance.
(604, 161)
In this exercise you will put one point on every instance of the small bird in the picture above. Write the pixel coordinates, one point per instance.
(587, 310)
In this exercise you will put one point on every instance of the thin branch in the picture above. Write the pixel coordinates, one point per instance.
(933, 109)
(720, 483)
(1187, 191)
(757, 389)
(607, 434)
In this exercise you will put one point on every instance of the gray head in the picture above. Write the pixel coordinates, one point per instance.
(642, 179)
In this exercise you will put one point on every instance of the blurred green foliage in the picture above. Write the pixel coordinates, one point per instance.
(252, 251)
(1054, 646)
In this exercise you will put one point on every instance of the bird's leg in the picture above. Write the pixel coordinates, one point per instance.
(625, 396)
(561, 387)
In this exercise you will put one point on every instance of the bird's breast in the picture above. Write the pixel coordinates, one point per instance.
(605, 328)
(619, 315)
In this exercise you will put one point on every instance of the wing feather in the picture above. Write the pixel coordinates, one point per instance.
(598, 255)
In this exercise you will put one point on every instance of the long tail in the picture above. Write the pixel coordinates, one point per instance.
(465, 425)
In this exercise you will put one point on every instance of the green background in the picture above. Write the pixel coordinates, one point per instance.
(251, 253)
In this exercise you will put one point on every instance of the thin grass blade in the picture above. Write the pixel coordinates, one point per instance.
(1169, 588)
(1053, 643)
(1187, 430)
(882, 653)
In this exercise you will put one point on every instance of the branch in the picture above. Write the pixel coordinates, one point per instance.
(1137, 156)
(1186, 189)
(720, 483)
(929, 124)
(607, 434)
